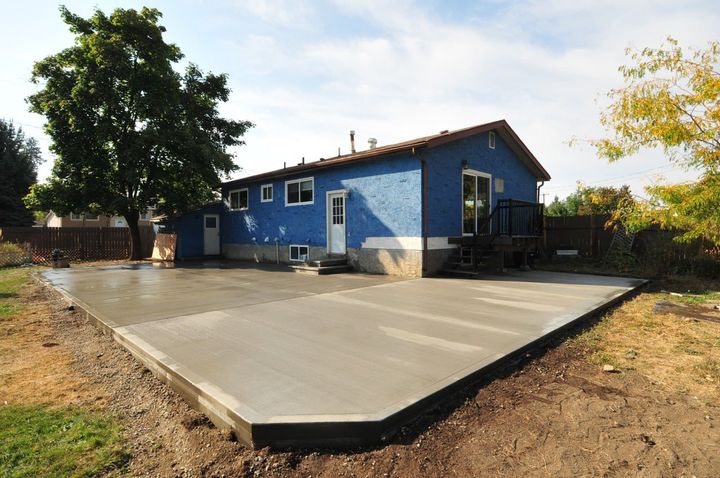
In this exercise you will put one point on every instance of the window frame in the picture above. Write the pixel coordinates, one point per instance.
(78, 218)
(97, 217)
(298, 246)
(492, 140)
(299, 183)
(238, 191)
(262, 192)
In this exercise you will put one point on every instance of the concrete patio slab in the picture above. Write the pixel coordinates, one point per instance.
(288, 359)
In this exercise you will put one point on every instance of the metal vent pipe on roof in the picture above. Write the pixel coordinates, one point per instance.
(372, 142)
(352, 141)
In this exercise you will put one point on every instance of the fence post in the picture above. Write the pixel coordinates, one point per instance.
(102, 251)
(510, 218)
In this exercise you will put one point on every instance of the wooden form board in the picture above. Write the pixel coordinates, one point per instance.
(164, 248)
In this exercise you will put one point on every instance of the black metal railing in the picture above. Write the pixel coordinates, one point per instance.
(513, 218)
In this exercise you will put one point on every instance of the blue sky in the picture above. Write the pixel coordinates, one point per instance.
(308, 72)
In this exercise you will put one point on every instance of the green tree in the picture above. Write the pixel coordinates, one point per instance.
(19, 159)
(671, 101)
(130, 131)
(592, 200)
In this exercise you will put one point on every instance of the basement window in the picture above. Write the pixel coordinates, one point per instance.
(91, 217)
(299, 191)
(299, 253)
(491, 139)
(75, 216)
(238, 199)
(266, 193)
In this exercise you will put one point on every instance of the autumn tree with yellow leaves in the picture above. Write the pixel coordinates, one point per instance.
(671, 101)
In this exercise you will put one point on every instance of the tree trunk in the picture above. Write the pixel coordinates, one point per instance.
(132, 218)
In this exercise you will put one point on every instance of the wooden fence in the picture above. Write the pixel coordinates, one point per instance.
(587, 234)
(80, 244)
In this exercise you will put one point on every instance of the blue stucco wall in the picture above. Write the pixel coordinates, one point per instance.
(190, 230)
(445, 179)
(384, 200)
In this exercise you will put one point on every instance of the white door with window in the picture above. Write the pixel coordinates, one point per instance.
(336, 222)
(211, 244)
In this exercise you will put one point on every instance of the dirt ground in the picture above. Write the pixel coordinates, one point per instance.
(554, 412)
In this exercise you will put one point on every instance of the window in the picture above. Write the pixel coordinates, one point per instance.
(210, 222)
(299, 191)
(238, 199)
(491, 139)
(499, 185)
(91, 217)
(146, 216)
(266, 193)
(75, 216)
(299, 253)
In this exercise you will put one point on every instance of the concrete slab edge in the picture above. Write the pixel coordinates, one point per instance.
(333, 434)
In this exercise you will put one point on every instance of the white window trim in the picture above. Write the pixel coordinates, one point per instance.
(79, 217)
(492, 140)
(88, 219)
(239, 191)
(290, 259)
(311, 179)
(473, 172)
(272, 196)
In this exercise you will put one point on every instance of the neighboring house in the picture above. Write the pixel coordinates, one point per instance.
(92, 220)
(389, 209)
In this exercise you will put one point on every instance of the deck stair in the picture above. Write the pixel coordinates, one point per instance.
(327, 265)
(463, 263)
(513, 226)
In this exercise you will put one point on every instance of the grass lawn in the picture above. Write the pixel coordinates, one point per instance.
(49, 439)
(680, 352)
(11, 280)
(59, 442)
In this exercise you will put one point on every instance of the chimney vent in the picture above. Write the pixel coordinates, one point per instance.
(372, 142)
(352, 141)
(444, 131)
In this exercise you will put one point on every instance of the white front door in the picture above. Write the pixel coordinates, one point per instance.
(336, 222)
(211, 244)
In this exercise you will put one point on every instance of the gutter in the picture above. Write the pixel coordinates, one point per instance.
(423, 208)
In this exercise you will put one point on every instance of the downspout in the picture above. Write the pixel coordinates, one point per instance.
(423, 207)
(542, 183)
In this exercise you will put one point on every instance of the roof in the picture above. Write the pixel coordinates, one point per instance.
(501, 127)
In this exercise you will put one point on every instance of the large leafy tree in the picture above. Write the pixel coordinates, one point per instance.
(129, 130)
(587, 200)
(671, 100)
(19, 159)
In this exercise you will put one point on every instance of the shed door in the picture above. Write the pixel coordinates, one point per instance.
(336, 222)
(211, 243)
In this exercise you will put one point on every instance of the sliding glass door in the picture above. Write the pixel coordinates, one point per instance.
(476, 203)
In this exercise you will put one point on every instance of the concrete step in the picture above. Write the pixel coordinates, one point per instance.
(468, 274)
(328, 261)
(322, 270)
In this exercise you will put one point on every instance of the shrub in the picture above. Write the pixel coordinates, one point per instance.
(12, 255)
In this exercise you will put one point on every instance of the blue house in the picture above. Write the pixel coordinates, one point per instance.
(398, 209)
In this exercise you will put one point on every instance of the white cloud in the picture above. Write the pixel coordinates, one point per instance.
(282, 12)
(308, 73)
(540, 65)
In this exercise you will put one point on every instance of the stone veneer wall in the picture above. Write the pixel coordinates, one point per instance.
(406, 263)
(266, 253)
(436, 259)
(396, 262)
